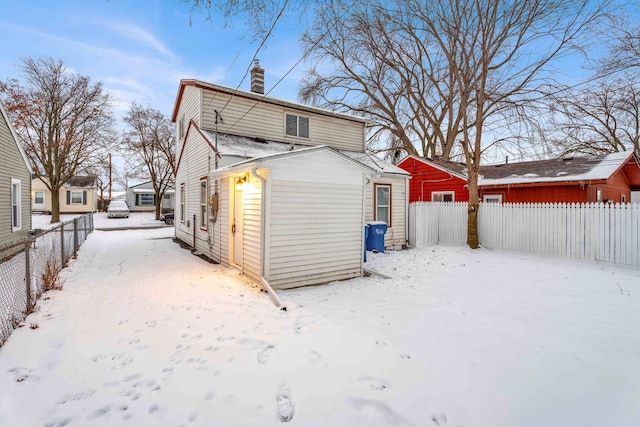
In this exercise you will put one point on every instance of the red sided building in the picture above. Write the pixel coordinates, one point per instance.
(433, 180)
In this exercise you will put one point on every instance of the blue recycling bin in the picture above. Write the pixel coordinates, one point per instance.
(364, 242)
(375, 239)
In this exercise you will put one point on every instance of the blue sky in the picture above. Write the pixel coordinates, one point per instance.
(140, 50)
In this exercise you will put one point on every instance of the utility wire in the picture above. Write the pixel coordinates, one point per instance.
(302, 58)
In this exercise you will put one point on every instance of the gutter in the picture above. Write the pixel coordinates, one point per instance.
(265, 284)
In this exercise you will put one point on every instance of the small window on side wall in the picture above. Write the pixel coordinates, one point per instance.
(492, 198)
(296, 125)
(16, 204)
(182, 202)
(383, 203)
(203, 203)
(442, 196)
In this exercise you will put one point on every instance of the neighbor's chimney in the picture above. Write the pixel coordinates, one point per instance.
(257, 78)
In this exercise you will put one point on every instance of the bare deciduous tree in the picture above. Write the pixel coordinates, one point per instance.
(63, 121)
(459, 65)
(151, 140)
(601, 118)
(378, 65)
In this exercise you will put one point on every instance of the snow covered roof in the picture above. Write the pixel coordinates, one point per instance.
(581, 168)
(251, 148)
(375, 163)
(554, 170)
(81, 182)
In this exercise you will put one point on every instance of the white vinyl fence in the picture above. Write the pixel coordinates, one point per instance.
(590, 231)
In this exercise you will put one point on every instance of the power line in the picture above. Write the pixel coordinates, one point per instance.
(302, 58)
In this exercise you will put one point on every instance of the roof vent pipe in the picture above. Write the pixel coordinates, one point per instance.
(257, 78)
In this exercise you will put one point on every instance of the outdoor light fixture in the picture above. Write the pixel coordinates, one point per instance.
(241, 182)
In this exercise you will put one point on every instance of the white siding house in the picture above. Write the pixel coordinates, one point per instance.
(278, 190)
(142, 198)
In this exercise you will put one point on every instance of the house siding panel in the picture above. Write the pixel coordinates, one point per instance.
(251, 229)
(12, 165)
(267, 121)
(395, 238)
(195, 164)
(326, 235)
(190, 107)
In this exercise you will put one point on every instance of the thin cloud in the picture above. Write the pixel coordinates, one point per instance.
(139, 35)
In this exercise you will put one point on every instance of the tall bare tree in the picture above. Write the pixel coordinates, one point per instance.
(379, 65)
(150, 139)
(603, 117)
(63, 121)
(459, 65)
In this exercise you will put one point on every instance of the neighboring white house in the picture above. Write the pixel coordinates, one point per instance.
(78, 195)
(278, 189)
(15, 185)
(142, 198)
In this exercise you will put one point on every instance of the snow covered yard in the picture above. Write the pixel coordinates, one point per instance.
(101, 221)
(146, 334)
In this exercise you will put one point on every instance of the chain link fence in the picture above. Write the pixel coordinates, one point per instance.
(26, 268)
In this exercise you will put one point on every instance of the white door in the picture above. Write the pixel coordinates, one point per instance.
(38, 200)
(237, 222)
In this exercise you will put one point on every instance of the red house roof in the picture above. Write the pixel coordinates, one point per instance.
(616, 173)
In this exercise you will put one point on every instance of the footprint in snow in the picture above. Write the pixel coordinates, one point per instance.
(285, 405)
(263, 356)
(439, 419)
(59, 422)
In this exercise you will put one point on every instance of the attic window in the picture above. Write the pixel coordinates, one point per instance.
(181, 127)
(296, 125)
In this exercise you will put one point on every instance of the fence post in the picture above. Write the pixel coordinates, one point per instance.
(27, 262)
(75, 237)
(62, 244)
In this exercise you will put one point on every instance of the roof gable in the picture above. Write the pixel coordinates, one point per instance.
(458, 170)
(256, 97)
(15, 138)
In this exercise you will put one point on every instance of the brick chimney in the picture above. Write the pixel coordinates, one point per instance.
(257, 78)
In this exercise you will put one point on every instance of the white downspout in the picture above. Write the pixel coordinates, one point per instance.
(265, 284)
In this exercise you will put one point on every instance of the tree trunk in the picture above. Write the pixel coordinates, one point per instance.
(158, 208)
(55, 205)
(472, 212)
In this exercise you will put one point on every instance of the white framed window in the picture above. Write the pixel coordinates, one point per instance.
(38, 197)
(76, 197)
(16, 204)
(623, 199)
(203, 203)
(442, 196)
(296, 125)
(492, 198)
(182, 202)
(145, 199)
(599, 196)
(383, 203)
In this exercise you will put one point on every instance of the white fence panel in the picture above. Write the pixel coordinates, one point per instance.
(589, 231)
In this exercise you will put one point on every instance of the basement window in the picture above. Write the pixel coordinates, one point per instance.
(296, 125)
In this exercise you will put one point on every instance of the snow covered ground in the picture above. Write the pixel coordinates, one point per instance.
(146, 334)
(101, 221)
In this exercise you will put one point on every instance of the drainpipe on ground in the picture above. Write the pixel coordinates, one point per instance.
(265, 284)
